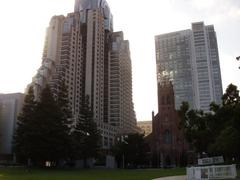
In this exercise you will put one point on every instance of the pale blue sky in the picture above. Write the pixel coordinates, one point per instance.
(23, 24)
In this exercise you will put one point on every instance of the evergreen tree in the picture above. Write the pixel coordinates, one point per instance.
(52, 133)
(66, 113)
(86, 136)
(63, 103)
(22, 143)
(42, 134)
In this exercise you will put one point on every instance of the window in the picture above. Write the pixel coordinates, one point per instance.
(167, 137)
(105, 141)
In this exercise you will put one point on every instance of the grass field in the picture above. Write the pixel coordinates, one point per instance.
(36, 174)
(41, 174)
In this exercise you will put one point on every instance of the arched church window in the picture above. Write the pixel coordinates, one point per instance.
(167, 137)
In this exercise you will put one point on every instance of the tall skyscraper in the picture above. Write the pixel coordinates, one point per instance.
(190, 59)
(83, 51)
(121, 103)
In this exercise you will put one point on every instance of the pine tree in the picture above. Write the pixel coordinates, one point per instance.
(42, 134)
(52, 135)
(25, 128)
(66, 113)
(86, 135)
(63, 103)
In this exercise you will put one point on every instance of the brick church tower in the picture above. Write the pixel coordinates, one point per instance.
(166, 141)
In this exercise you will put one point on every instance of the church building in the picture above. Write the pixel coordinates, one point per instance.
(167, 143)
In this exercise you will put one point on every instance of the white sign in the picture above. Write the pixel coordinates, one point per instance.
(213, 160)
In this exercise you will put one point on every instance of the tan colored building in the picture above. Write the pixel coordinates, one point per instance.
(120, 86)
(145, 126)
(82, 50)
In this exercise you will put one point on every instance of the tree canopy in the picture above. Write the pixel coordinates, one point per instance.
(47, 131)
(218, 131)
(43, 133)
(131, 150)
(26, 121)
(86, 136)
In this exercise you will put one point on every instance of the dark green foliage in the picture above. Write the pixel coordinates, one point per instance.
(196, 128)
(26, 121)
(133, 149)
(45, 129)
(43, 132)
(218, 132)
(231, 96)
(227, 142)
(86, 136)
(227, 125)
(63, 103)
(51, 136)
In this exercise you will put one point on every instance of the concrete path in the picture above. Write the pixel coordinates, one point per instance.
(173, 178)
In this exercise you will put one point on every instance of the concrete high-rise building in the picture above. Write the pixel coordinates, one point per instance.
(121, 103)
(51, 55)
(190, 59)
(83, 51)
(10, 107)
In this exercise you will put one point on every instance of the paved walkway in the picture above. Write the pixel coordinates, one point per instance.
(173, 178)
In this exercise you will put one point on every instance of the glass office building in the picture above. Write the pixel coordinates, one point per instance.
(190, 59)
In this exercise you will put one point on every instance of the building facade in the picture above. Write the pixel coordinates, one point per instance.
(190, 59)
(167, 143)
(82, 51)
(10, 107)
(120, 85)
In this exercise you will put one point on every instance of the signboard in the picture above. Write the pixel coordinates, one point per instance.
(218, 160)
(213, 160)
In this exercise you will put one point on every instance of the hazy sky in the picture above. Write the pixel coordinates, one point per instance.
(23, 25)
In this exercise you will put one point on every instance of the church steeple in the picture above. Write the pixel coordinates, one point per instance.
(165, 95)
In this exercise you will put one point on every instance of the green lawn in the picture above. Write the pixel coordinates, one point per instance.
(40, 174)
(141, 174)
